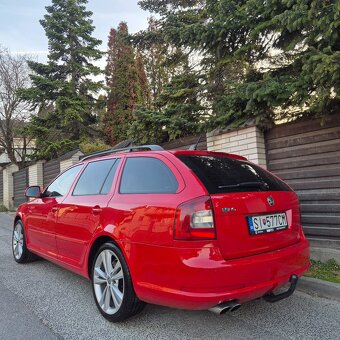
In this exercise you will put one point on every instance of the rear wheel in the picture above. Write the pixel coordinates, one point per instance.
(112, 285)
(20, 252)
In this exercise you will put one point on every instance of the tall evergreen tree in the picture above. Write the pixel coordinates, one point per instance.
(157, 55)
(126, 82)
(63, 90)
(176, 108)
(143, 90)
(177, 112)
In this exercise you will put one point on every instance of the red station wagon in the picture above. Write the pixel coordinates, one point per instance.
(184, 229)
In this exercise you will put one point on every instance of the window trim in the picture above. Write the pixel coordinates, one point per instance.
(166, 162)
(113, 181)
(81, 166)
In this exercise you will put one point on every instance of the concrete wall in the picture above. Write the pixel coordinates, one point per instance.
(247, 142)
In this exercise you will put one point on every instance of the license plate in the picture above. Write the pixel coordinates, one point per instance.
(267, 223)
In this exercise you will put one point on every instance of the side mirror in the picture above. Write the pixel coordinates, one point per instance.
(33, 191)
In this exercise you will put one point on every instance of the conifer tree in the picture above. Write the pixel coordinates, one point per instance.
(126, 82)
(157, 55)
(63, 90)
(143, 90)
(176, 108)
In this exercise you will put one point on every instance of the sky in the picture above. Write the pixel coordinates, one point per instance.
(20, 30)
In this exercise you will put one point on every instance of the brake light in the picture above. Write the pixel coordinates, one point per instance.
(194, 220)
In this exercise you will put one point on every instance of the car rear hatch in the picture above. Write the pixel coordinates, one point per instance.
(254, 211)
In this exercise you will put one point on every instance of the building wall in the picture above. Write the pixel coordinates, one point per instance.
(18, 146)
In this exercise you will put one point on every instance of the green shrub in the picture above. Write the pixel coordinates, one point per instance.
(3, 208)
(90, 146)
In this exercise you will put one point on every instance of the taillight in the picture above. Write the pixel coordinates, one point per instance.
(194, 220)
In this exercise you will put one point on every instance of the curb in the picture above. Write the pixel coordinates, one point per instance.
(325, 254)
(319, 288)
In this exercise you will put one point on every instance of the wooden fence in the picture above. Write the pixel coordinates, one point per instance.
(185, 143)
(306, 154)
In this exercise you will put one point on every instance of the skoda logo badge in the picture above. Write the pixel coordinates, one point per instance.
(270, 201)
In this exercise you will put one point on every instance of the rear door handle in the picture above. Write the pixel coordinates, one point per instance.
(54, 209)
(96, 210)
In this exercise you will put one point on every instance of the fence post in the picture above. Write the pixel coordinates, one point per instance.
(8, 185)
(2, 186)
(246, 141)
(65, 163)
(35, 174)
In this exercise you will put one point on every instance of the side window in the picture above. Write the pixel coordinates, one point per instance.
(146, 175)
(97, 178)
(61, 185)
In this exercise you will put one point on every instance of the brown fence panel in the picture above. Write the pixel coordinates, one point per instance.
(20, 183)
(185, 143)
(306, 154)
(51, 169)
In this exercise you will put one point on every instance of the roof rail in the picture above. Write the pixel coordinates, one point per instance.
(128, 149)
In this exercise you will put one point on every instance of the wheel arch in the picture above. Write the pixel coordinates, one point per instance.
(94, 248)
(17, 218)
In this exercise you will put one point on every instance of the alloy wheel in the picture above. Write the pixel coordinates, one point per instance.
(18, 241)
(108, 282)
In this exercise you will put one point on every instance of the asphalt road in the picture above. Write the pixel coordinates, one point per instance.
(43, 301)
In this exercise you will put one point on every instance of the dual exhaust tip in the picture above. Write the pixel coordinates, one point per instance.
(224, 307)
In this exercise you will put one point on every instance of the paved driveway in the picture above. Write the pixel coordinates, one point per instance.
(43, 301)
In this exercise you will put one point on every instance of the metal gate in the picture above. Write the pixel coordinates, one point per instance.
(306, 154)
(20, 183)
(51, 169)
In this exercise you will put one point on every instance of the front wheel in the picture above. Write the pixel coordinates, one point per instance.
(20, 252)
(112, 285)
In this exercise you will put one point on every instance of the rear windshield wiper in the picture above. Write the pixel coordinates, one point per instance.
(260, 185)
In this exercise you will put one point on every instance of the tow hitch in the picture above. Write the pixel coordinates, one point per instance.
(271, 297)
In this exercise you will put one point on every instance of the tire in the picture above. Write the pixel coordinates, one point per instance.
(20, 252)
(112, 285)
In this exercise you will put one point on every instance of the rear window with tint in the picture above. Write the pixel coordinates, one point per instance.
(225, 175)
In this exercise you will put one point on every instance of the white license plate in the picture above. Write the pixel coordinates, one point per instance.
(267, 223)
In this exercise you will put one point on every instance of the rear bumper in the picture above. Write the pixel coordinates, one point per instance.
(201, 278)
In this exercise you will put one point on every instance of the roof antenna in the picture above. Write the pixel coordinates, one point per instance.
(194, 146)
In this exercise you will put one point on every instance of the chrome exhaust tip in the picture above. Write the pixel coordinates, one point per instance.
(224, 307)
(219, 309)
(235, 307)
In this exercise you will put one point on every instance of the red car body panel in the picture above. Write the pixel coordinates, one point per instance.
(199, 278)
(184, 274)
(239, 244)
